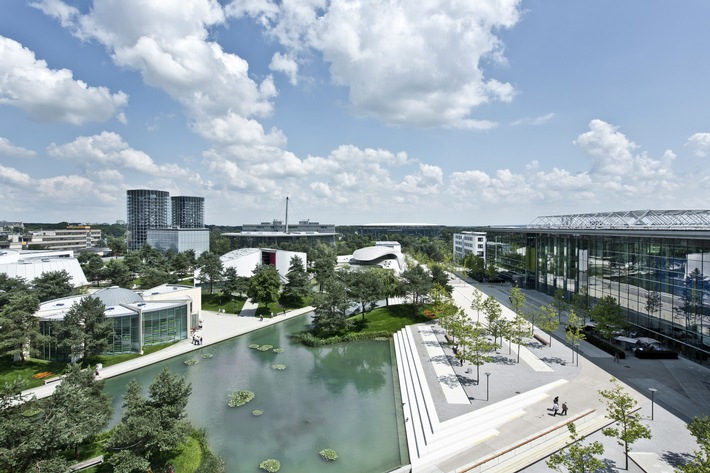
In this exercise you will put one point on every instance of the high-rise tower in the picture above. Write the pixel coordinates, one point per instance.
(145, 209)
(188, 211)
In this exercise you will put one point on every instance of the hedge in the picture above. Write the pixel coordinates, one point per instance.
(604, 345)
(656, 354)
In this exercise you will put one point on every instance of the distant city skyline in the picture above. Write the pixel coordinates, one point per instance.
(454, 113)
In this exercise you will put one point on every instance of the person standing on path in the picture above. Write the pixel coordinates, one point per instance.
(616, 357)
(564, 409)
(555, 408)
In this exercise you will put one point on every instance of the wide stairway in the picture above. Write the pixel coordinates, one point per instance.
(433, 443)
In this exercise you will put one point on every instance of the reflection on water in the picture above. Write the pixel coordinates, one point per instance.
(340, 396)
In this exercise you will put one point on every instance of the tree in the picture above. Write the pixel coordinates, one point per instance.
(476, 266)
(233, 283)
(700, 429)
(134, 262)
(559, 303)
(10, 286)
(493, 312)
(118, 274)
(20, 328)
(298, 286)
(52, 285)
(390, 284)
(608, 316)
(627, 429)
(574, 333)
(324, 260)
(86, 329)
(474, 344)
(264, 285)
(91, 264)
(580, 303)
(444, 308)
(517, 332)
(331, 308)
(150, 428)
(653, 304)
(117, 245)
(517, 300)
(477, 302)
(439, 276)
(210, 268)
(577, 458)
(548, 320)
(20, 447)
(152, 277)
(181, 263)
(416, 282)
(363, 287)
(77, 411)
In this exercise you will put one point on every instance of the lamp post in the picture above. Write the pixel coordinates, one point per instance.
(487, 377)
(576, 348)
(653, 391)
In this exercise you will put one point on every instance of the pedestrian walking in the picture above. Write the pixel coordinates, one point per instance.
(616, 357)
(555, 408)
(564, 409)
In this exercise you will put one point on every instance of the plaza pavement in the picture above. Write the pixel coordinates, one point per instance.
(546, 371)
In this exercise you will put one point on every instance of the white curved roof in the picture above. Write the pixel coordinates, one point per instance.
(374, 254)
(31, 268)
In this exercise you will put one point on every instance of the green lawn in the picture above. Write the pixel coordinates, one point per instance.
(390, 319)
(216, 302)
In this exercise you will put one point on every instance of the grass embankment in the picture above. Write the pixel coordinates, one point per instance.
(217, 302)
(10, 371)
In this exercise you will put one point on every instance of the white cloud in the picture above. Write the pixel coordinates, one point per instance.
(13, 177)
(286, 65)
(404, 62)
(8, 149)
(109, 149)
(51, 95)
(534, 121)
(610, 150)
(699, 144)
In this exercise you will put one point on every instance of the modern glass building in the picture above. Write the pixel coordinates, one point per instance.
(179, 239)
(188, 211)
(656, 264)
(145, 209)
(161, 315)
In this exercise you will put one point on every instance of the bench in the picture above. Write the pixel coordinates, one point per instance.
(541, 339)
(87, 463)
(52, 380)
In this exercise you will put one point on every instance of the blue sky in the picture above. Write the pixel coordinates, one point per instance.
(361, 111)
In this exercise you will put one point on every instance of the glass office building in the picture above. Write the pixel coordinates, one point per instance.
(145, 209)
(188, 211)
(656, 264)
(179, 239)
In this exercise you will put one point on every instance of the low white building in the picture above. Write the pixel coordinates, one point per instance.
(245, 260)
(469, 243)
(31, 264)
(383, 256)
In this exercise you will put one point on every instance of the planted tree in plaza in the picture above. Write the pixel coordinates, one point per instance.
(608, 317)
(577, 457)
(443, 307)
(580, 303)
(548, 320)
(152, 427)
(476, 266)
(20, 332)
(86, 330)
(518, 331)
(477, 302)
(264, 285)
(574, 331)
(627, 427)
(559, 303)
(475, 345)
(700, 463)
(493, 312)
(331, 308)
(439, 276)
(517, 300)
(52, 285)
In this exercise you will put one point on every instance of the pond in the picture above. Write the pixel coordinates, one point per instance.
(341, 396)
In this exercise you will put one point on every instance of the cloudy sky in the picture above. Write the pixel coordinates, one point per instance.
(454, 112)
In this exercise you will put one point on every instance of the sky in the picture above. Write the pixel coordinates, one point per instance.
(452, 112)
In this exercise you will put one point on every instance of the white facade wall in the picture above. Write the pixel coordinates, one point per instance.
(469, 243)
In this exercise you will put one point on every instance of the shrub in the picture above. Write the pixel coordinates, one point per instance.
(270, 465)
(607, 347)
(239, 398)
(329, 454)
(191, 362)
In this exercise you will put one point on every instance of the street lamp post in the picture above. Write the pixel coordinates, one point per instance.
(653, 391)
(487, 376)
(576, 348)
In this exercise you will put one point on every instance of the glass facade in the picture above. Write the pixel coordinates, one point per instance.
(179, 239)
(188, 212)
(145, 209)
(165, 325)
(662, 281)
